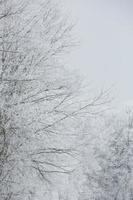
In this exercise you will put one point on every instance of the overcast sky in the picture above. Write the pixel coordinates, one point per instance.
(105, 31)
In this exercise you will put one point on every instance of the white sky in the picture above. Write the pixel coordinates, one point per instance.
(105, 31)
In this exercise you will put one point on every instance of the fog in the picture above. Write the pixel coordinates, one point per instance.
(105, 32)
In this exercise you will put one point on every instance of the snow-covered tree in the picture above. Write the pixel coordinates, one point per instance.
(111, 177)
(41, 107)
(36, 92)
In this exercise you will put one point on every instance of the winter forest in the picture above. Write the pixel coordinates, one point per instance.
(58, 139)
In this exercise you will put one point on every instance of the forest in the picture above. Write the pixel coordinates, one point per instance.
(58, 139)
